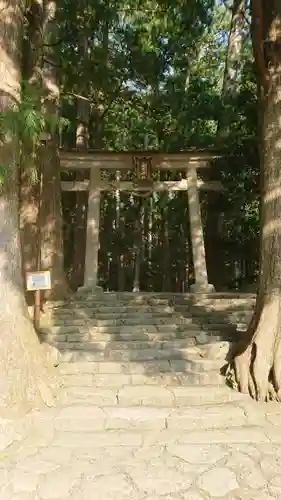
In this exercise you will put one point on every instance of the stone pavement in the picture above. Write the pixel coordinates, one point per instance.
(135, 419)
(229, 448)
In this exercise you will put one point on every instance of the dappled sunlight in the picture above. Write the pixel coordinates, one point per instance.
(272, 194)
(164, 98)
(153, 337)
(6, 244)
(272, 228)
(9, 68)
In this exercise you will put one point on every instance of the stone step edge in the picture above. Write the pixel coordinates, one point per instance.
(200, 393)
(118, 380)
(148, 299)
(152, 330)
(175, 322)
(173, 379)
(88, 418)
(75, 355)
(205, 350)
(235, 304)
(107, 296)
(159, 312)
(218, 350)
(154, 396)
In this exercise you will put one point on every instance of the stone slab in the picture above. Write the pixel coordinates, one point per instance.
(213, 417)
(206, 395)
(8, 433)
(226, 436)
(103, 439)
(98, 396)
(137, 418)
(146, 395)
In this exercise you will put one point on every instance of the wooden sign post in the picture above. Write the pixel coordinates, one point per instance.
(35, 282)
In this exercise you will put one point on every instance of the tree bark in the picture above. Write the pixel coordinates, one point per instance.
(24, 377)
(50, 217)
(41, 233)
(257, 361)
(28, 215)
(50, 220)
(29, 183)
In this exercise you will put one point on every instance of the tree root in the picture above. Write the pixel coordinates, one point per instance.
(255, 364)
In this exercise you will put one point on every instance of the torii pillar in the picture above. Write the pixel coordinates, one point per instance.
(201, 284)
(92, 234)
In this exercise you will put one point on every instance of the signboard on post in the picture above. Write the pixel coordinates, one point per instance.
(35, 282)
(38, 280)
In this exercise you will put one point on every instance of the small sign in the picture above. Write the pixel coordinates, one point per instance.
(38, 280)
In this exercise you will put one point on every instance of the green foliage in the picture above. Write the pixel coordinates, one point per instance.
(153, 74)
(25, 122)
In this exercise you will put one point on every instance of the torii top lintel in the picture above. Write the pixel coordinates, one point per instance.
(80, 159)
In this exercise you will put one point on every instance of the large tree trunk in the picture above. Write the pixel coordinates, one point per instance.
(28, 215)
(50, 217)
(29, 179)
(24, 381)
(257, 363)
(41, 233)
(50, 220)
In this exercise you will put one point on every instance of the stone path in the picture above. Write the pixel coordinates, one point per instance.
(131, 423)
(228, 449)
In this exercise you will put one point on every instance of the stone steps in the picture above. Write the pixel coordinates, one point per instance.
(109, 367)
(132, 345)
(135, 302)
(110, 381)
(138, 349)
(182, 353)
(149, 367)
(136, 341)
(115, 321)
(138, 332)
(182, 356)
(142, 395)
(146, 370)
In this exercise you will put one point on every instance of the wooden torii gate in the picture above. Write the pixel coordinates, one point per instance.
(189, 161)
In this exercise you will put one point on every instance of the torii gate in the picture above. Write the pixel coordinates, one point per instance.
(189, 160)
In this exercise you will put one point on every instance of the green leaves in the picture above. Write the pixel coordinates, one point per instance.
(156, 68)
(25, 122)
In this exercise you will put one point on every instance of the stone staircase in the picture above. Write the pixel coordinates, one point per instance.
(143, 361)
(144, 414)
(116, 340)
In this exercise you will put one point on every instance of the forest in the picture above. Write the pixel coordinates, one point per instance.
(158, 85)
(145, 75)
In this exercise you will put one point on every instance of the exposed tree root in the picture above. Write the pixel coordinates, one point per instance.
(255, 365)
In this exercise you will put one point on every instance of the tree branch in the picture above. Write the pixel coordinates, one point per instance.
(51, 63)
(54, 44)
